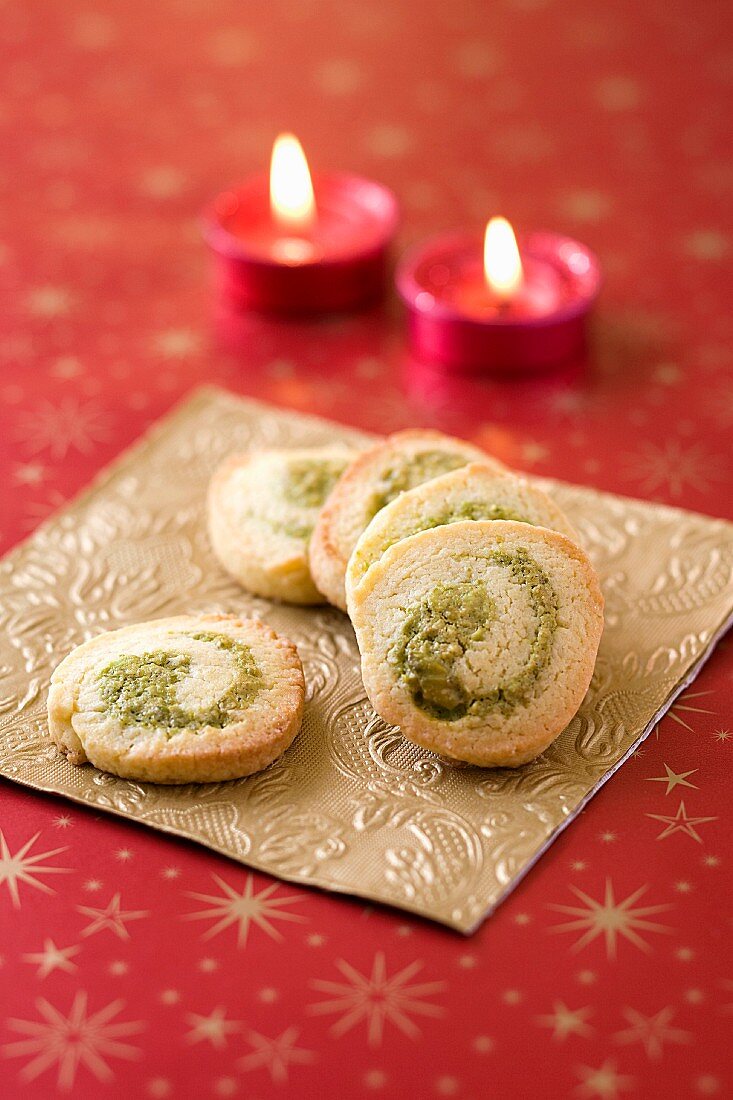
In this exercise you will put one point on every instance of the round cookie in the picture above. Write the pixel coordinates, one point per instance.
(376, 477)
(261, 511)
(472, 492)
(478, 638)
(190, 699)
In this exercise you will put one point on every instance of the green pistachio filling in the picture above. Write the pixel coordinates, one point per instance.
(295, 529)
(436, 634)
(468, 509)
(471, 509)
(309, 481)
(406, 473)
(140, 689)
(306, 484)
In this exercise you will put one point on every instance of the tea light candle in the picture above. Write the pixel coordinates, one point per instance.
(519, 307)
(293, 244)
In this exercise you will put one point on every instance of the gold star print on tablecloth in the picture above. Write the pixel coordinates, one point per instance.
(81, 1038)
(63, 427)
(565, 1021)
(606, 1082)
(673, 779)
(53, 958)
(651, 1031)
(245, 909)
(111, 917)
(673, 466)
(610, 919)
(684, 706)
(213, 1028)
(377, 999)
(275, 1055)
(681, 823)
(21, 867)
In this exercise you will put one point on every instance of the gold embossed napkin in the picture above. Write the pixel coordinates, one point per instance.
(351, 807)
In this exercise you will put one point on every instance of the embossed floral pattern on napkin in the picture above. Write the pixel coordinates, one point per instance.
(352, 806)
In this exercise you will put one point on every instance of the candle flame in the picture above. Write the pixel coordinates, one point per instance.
(502, 262)
(292, 201)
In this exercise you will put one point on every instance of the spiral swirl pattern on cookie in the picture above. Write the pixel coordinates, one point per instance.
(186, 699)
(478, 638)
(261, 511)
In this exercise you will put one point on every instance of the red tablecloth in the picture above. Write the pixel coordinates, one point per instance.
(135, 965)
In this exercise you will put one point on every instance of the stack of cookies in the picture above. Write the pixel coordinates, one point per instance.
(477, 614)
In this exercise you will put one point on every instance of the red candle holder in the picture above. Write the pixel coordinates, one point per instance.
(340, 263)
(455, 322)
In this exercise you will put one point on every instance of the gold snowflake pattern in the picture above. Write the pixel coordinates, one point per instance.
(61, 428)
(377, 999)
(79, 1039)
(244, 910)
(610, 919)
(276, 1055)
(651, 1031)
(22, 867)
(671, 468)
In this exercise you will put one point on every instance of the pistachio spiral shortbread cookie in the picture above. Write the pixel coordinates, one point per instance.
(261, 511)
(478, 638)
(473, 492)
(191, 699)
(376, 477)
